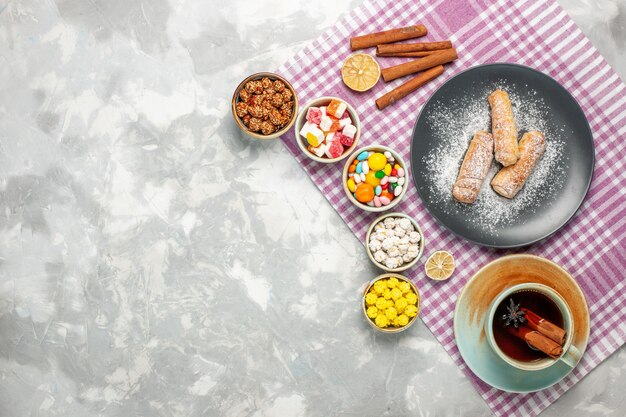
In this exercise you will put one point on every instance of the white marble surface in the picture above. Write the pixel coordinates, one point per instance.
(155, 262)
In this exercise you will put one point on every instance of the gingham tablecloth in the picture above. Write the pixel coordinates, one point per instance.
(534, 33)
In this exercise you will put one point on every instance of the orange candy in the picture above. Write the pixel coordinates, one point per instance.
(364, 192)
(352, 168)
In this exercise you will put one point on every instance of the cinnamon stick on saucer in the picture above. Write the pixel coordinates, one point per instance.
(544, 327)
(438, 58)
(408, 87)
(413, 47)
(537, 340)
(417, 54)
(387, 36)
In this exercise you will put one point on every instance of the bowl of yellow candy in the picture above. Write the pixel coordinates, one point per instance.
(391, 303)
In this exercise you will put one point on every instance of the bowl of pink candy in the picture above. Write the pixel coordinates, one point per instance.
(327, 129)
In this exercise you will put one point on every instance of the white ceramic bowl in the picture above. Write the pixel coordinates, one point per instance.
(381, 149)
(404, 266)
(391, 329)
(302, 143)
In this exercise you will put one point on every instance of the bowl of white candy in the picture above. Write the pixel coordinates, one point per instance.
(394, 242)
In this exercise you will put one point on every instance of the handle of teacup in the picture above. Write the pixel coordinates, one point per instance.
(571, 357)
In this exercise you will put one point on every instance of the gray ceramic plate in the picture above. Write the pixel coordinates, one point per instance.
(552, 194)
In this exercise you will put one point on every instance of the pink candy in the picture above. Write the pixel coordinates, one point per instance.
(384, 200)
(335, 149)
(345, 140)
(377, 202)
(314, 115)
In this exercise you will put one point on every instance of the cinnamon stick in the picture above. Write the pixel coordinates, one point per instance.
(544, 327)
(408, 87)
(537, 340)
(438, 58)
(413, 47)
(407, 54)
(387, 36)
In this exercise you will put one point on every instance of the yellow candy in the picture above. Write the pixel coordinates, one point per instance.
(411, 298)
(402, 320)
(382, 321)
(404, 287)
(396, 166)
(401, 304)
(351, 185)
(377, 161)
(370, 299)
(390, 303)
(370, 178)
(372, 312)
(381, 303)
(387, 169)
(392, 282)
(379, 287)
(396, 293)
(410, 311)
(387, 294)
(391, 313)
(312, 139)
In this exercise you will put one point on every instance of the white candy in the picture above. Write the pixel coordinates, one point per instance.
(379, 226)
(349, 131)
(329, 137)
(393, 179)
(399, 232)
(391, 263)
(405, 224)
(413, 249)
(397, 191)
(394, 252)
(414, 237)
(375, 245)
(388, 243)
(365, 167)
(387, 155)
(326, 123)
(403, 248)
(323, 110)
(319, 151)
(306, 128)
(362, 177)
(345, 122)
(390, 222)
(317, 134)
(404, 240)
(357, 179)
(341, 108)
(380, 256)
(408, 257)
(401, 181)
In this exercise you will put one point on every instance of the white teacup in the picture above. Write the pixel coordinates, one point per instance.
(570, 356)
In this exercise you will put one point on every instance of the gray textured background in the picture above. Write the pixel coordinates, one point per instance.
(155, 262)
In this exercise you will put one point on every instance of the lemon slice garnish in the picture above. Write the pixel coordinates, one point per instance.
(360, 72)
(440, 265)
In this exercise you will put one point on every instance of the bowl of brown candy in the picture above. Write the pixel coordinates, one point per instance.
(265, 105)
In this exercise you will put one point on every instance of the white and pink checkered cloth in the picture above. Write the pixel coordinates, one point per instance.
(535, 33)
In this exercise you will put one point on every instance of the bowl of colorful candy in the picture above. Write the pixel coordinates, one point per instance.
(391, 303)
(265, 105)
(375, 178)
(395, 242)
(327, 129)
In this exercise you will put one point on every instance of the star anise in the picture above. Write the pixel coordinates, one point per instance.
(514, 315)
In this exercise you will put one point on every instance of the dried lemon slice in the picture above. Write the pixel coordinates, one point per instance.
(440, 265)
(360, 72)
